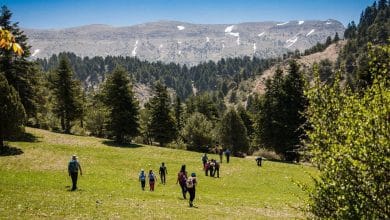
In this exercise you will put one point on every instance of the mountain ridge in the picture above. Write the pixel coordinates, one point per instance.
(183, 42)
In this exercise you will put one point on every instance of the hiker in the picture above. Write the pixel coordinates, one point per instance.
(216, 168)
(204, 160)
(162, 172)
(211, 167)
(73, 170)
(227, 154)
(191, 183)
(152, 180)
(258, 160)
(142, 178)
(181, 179)
(220, 152)
(207, 168)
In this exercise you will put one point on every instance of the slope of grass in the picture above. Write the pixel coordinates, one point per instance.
(35, 184)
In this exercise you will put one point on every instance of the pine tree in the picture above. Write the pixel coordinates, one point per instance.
(197, 132)
(20, 72)
(67, 93)
(122, 107)
(232, 132)
(279, 122)
(162, 124)
(178, 113)
(12, 112)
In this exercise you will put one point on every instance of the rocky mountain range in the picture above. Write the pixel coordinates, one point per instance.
(185, 43)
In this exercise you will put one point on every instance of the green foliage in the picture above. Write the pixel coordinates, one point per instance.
(12, 114)
(232, 132)
(374, 27)
(197, 132)
(67, 95)
(279, 122)
(162, 124)
(19, 72)
(96, 118)
(349, 139)
(204, 77)
(122, 107)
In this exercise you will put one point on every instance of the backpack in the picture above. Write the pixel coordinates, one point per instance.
(183, 178)
(151, 177)
(142, 176)
(190, 183)
(73, 166)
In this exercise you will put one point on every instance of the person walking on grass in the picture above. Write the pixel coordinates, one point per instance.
(73, 170)
(204, 160)
(162, 172)
(152, 180)
(191, 184)
(181, 179)
(142, 179)
(227, 154)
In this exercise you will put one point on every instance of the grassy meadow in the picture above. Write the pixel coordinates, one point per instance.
(35, 184)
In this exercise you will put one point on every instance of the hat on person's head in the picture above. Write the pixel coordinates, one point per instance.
(193, 174)
(74, 156)
(142, 170)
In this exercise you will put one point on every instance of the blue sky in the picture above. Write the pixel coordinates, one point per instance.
(70, 13)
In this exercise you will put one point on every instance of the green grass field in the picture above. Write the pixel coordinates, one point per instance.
(35, 184)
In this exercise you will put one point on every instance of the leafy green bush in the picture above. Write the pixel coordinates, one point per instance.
(349, 140)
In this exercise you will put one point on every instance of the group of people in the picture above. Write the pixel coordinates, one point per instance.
(152, 177)
(210, 166)
(187, 183)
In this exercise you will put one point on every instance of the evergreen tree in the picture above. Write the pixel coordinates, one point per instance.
(66, 91)
(178, 113)
(162, 124)
(122, 107)
(12, 112)
(336, 38)
(197, 132)
(279, 122)
(232, 132)
(20, 72)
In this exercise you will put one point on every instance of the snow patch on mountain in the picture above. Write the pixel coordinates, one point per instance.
(261, 34)
(280, 24)
(310, 32)
(238, 40)
(229, 29)
(207, 39)
(35, 52)
(254, 47)
(300, 22)
(180, 28)
(291, 41)
(328, 22)
(234, 34)
(134, 52)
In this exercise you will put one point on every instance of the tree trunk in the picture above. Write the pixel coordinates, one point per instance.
(1, 141)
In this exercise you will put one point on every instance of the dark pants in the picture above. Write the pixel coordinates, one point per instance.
(162, 178)
(227, 158)
(74, 180)
(211, 171)
(216, 170)
(183, 189)
(191, 191)
(143, 184)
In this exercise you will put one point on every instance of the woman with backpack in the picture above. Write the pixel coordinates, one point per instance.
(152, 180)
(182, 179)
(191, 183)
